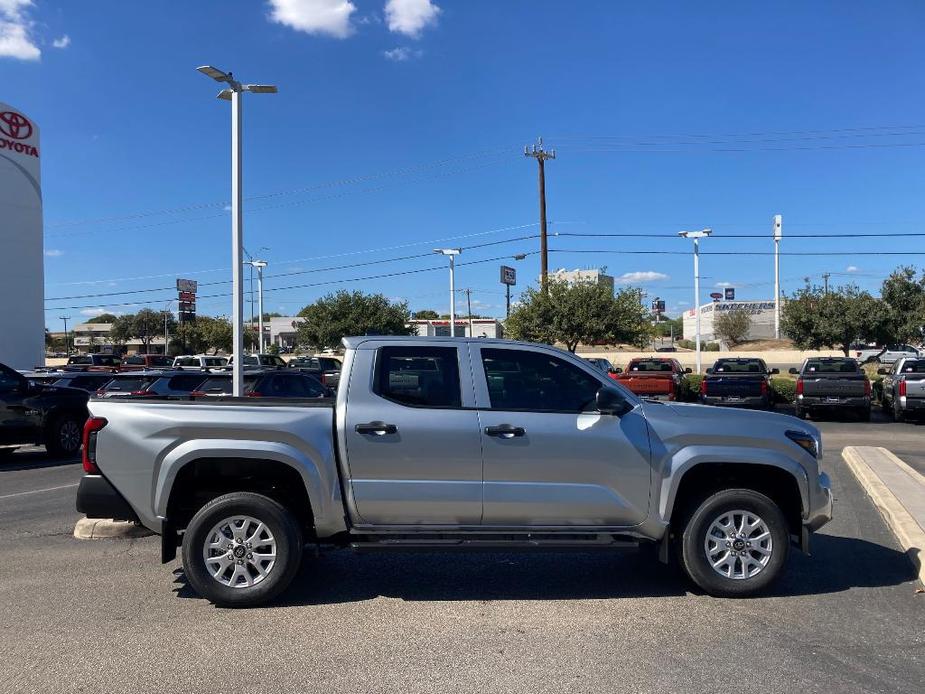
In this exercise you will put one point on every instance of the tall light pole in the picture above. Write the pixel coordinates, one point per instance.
(696, 236)
(451, 253)
(507, 314)
(541, 155)
(67, 342)
(778, 232)
(260, 265)
(233, 93)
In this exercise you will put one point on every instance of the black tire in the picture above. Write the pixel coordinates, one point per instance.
(800, 413)
(281, 525)
(64, 434)
(898, 414)
(692, 554)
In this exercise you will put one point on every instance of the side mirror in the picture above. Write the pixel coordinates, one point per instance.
(616, 370)
(793, 370)
(688, 370)
(883, 372)
(775, 371)
(611, 401)
(709, 369)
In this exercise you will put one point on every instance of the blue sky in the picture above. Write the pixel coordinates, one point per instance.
(398, 123)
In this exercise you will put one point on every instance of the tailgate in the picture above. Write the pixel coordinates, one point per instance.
(648, 385)
(734, 386)
(915, 385)
(821, 387)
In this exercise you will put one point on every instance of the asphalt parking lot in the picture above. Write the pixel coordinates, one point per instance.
(106, 616)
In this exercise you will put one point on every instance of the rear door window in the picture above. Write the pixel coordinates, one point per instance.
(418, 376)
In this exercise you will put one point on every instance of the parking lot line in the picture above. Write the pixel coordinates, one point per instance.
(39, 491)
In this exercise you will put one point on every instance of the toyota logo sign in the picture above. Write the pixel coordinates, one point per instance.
(15, 125)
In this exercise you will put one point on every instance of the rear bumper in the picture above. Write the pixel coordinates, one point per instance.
(733, 401)
(97, 498)
(912, 404)
(820, 402)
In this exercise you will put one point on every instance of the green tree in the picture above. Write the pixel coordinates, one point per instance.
(425, 314)
(344, 313)
(732, 326)
(145, 325)
(103, 318)
(202, 335)
(669, 326)
(814, 319)
(904, 296)
(582, 312)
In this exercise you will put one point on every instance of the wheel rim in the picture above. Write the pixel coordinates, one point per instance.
(69, 435)
(239, 551)
(738, 545)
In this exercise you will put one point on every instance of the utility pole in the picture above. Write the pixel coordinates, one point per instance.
(777, 232)
(67, 342)
(541, 155)
(469, 308)
(825, 280)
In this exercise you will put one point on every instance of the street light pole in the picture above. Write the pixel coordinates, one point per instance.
(451, 253)
(234, 93)
(67, 342)
(260, 265)
(778, 232)
(696, 236)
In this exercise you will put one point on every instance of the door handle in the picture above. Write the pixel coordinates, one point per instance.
(505, 431)
(377, 428)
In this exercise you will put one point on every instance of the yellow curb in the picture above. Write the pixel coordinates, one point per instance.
(910, 535)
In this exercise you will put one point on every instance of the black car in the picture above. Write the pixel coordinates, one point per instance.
(270, 384)
(325, 369)
(35, 413)
(738, 383)
(90, 381)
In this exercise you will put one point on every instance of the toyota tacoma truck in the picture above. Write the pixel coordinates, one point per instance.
(454, 444)
(658, 378)
(738, 382)
(831, 383)
(904, 388)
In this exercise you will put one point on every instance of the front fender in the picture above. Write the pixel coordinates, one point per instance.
(319, 477)
(687, 458)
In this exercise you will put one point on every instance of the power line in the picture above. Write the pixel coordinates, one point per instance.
(740, 236)
(687, 253)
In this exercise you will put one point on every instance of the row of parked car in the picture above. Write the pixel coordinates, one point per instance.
(823, 384)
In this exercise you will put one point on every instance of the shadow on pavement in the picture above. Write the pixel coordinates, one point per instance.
(339, 576)
(32, 459)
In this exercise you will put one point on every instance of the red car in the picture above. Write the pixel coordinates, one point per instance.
(653, 377)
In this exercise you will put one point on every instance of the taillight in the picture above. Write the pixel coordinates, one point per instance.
(91, 428)
(799, 386)
(902, 389)
(196, 393)
(764, 387)
(703, 387)
(866, 387)
(100, 393)
(254, 394)
(139, 392)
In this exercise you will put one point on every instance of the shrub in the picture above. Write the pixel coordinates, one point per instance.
(783, 390)
(685, 344)
(690, 388)
(710, 347)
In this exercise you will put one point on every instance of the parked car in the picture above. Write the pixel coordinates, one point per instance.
(261, 361)
(738, 382)
(270, 384)
(436, 443)
(653, 377)
(93, 362)
(90, 381)
(325, 369)
(904, 388)
(128, 384)
(885, 355)
(177, 383)
(603, 364)
(138, 362)
(831, 383)
(37, 413)
(200, 361)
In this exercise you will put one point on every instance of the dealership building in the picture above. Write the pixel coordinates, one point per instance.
(760, 314)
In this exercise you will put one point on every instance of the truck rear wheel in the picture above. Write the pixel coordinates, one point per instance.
(734, 543)
(241, 550)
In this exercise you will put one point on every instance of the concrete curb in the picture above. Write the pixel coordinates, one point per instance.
(99, 528)
(910, 534)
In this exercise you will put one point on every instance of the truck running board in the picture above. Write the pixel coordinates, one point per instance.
(492, 543)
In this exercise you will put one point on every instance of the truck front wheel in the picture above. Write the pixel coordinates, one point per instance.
(241, 549)
(734, 543)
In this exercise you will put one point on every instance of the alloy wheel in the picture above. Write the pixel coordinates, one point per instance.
(738, 545)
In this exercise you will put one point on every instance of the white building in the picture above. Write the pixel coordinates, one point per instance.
(281, 331)
(95, 337)
(760, 313)
(575, 276)
(481, 327)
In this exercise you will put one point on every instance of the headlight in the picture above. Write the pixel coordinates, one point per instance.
(804, 441)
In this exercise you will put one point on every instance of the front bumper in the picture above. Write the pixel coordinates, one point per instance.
(97, 498)
(821, 503)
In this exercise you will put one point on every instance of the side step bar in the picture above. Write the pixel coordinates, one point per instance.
(492, 543)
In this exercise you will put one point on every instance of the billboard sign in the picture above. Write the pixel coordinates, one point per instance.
(508, 275)
(187, 286)
(21, 240)
(716, 296)
(729, 294)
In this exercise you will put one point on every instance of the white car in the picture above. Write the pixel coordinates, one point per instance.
(199, 361)
(886, 355)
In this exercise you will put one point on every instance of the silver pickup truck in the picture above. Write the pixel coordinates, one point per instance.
(904, 388)
(443, 443)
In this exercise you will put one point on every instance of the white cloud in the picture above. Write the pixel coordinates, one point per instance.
(640, 277)
(402, 54)
(93, 312)
(723, 284)
(15, 31)
(328, 17)
(410, 17)
(54, 253)
(63, 42)
(684, 303)
(852, 268)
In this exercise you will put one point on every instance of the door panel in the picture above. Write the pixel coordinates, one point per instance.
(577, 468)
(426, 468)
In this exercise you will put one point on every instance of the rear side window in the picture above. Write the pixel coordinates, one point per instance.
(291, 386)
(329, 364)
(914, 367)
(419, 376)
(753, 366)
(832, 366)
(135, 360)
(215, 386)
(127, 385)
(650, 365)
(80, 360)
(523, 380)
